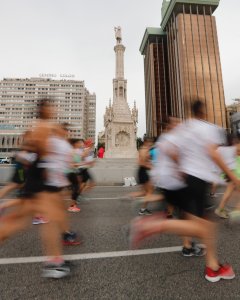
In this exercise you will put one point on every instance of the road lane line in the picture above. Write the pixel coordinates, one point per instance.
(105, 198)
(86, 256)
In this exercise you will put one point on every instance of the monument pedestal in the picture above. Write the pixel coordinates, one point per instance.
(110, 172)
(124, 153)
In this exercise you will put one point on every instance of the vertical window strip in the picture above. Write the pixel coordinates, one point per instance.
(179, 73)
(203, 70)
(217, 62)
(188, 72)
(170, 69)
(209, 63)
(194, 53)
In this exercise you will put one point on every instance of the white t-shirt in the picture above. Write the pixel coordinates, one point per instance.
(167, 173)
(58, 161)
(228, 154)
(193, 139)
(28, 156)
(88, 159)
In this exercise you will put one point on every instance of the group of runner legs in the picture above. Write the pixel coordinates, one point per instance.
(188, 158)
(45, 167)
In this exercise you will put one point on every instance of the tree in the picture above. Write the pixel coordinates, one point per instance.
(139, 142)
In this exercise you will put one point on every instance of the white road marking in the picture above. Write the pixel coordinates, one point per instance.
(86, 256)
(91, 198)
(105, 198)
(114, 186)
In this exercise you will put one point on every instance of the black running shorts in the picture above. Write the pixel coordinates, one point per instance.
(85, 175)
(142, 175)
(191, 199)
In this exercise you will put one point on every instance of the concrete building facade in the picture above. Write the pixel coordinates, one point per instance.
(19, 99)
(188, 32)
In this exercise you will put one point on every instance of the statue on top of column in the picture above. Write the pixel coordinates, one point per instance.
(118, 34)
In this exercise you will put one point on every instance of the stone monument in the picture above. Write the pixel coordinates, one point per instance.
(120, 122)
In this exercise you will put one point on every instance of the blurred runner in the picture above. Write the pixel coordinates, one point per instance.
(230, 155)
(72, 175)
(144, 166)
(87, 181)
(42, 192)
(196, 142)
(22, 160)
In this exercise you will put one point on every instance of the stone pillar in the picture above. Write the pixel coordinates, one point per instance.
(119, 50)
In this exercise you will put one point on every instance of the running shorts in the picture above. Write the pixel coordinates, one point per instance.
(85, 175)
(34, 182)
(191, 199)
(142, 175)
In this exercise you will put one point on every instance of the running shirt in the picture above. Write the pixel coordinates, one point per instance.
(89, 158)
(167, 174)
(229, 156)
(154, 152)
(193, 139)
(57, 162)
(76, 159)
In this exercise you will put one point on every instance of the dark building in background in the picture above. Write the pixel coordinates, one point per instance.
(157, 92)
(192, 60)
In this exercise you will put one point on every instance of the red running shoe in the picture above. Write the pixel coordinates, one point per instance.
(74, 208)
(224, 272)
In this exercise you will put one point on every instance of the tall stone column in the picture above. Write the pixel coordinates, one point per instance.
(119, 50)
(122, 123)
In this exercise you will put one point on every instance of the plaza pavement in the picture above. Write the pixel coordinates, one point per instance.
(103, 266)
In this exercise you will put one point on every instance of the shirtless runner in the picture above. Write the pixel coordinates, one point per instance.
(143, 176)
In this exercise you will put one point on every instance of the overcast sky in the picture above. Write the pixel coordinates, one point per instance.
(77, 37)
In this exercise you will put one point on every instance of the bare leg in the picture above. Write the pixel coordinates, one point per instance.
(8, 188)
(51, 205)
(10, 203)
(187, 242)
(16, 220)
(192, 227)
(148, 188)
(141, 193)
(228, 193)
(153, 198)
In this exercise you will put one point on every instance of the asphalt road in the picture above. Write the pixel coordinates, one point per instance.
(116, 273)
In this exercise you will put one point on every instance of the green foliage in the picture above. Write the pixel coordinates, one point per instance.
(139, 142)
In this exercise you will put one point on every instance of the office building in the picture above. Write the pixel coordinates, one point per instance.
(190, 54)
(18, 107)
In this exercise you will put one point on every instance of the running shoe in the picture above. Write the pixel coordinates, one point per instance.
(196, 250)
(209, 206)
(39, 221)
(74, 208)
(70, 239)
(222, 213)
(144, 212)
(56, 271)
(224, 272)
